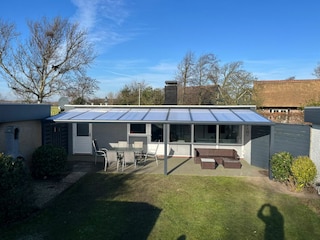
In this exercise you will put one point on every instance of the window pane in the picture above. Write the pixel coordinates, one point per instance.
(229, 134)
(180, 133)
(82, 129)
(156, 132)
(205, 133)
(137, 128)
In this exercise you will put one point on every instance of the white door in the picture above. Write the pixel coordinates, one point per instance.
(82, 140)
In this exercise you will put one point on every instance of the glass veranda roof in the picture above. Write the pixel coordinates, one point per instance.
(162, 114)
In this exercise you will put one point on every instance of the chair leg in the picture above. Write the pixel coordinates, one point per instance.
(106, 164)
(123, 165)
(156, 158)
(118, 162)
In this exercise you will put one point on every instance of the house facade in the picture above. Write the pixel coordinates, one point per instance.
(179, 128)
(283, 100)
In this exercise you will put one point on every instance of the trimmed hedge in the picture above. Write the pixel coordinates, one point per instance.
(48, 161)
(281, 166)
(16, 193)
(298, 172)
(304, 171)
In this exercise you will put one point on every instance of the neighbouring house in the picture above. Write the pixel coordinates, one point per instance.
(21, 128)
(198, 95)
(312, 115)
(283, 100)
(179, 129)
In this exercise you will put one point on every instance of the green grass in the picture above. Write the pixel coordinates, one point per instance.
(116, 206)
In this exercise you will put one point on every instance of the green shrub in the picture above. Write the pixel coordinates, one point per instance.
(16, 193)
(281, 166)
(48, 161)
(304, 171)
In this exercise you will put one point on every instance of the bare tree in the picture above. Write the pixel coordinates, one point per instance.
(81, 88)
(42, 66)
(204, 80)
(235, 84)
(316, 71)
(185, 73)
(203, 73)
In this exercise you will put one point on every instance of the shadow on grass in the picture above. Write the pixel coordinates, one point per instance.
(89, 210)
(273, 221)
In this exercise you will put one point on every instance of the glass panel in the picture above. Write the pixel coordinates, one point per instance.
(70, 114)
(202, 115)
(156, 132)
(205, 133)
(250, 116)
(180, 133)
(225, 115)
(230, 134)
(137, 128)
(179, 115)
(82, 129)
(134, 115)
(113, 114)
(90, 115)
(156, 115)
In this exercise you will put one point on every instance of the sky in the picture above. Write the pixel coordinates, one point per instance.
(145, 40)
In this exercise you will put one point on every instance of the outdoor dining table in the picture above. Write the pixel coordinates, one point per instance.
(120, 150)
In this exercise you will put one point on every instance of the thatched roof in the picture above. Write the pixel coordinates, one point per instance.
(286, 93)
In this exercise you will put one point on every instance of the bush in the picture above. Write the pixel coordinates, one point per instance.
(48, 161)
(16, 193)
(281, 166)
(304, 171)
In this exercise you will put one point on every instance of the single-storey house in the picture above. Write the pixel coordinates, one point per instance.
(179, 128)
(21, 128)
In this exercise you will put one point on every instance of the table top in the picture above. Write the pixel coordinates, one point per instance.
(123, 149)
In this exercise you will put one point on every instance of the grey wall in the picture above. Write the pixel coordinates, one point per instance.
(292, 138)
(312, 114)
(260, 146)
(24, 112)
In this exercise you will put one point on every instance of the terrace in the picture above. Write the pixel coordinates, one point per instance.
(175, 166)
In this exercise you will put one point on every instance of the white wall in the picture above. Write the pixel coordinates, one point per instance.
(246, 149)
(315, 148)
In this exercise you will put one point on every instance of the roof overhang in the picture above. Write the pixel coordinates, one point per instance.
(175, 114)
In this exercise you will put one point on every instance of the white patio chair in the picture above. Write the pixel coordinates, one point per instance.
(152, 153)
(99, 152)
(112, 156)
(138, 149)
(128, 158)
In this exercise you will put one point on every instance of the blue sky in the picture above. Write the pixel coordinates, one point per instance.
(144, 40)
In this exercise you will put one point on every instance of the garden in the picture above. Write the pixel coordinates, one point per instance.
(150, 206)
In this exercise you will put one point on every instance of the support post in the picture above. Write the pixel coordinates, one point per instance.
(165, 141)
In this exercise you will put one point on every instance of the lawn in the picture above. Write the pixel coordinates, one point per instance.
(128, 206)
